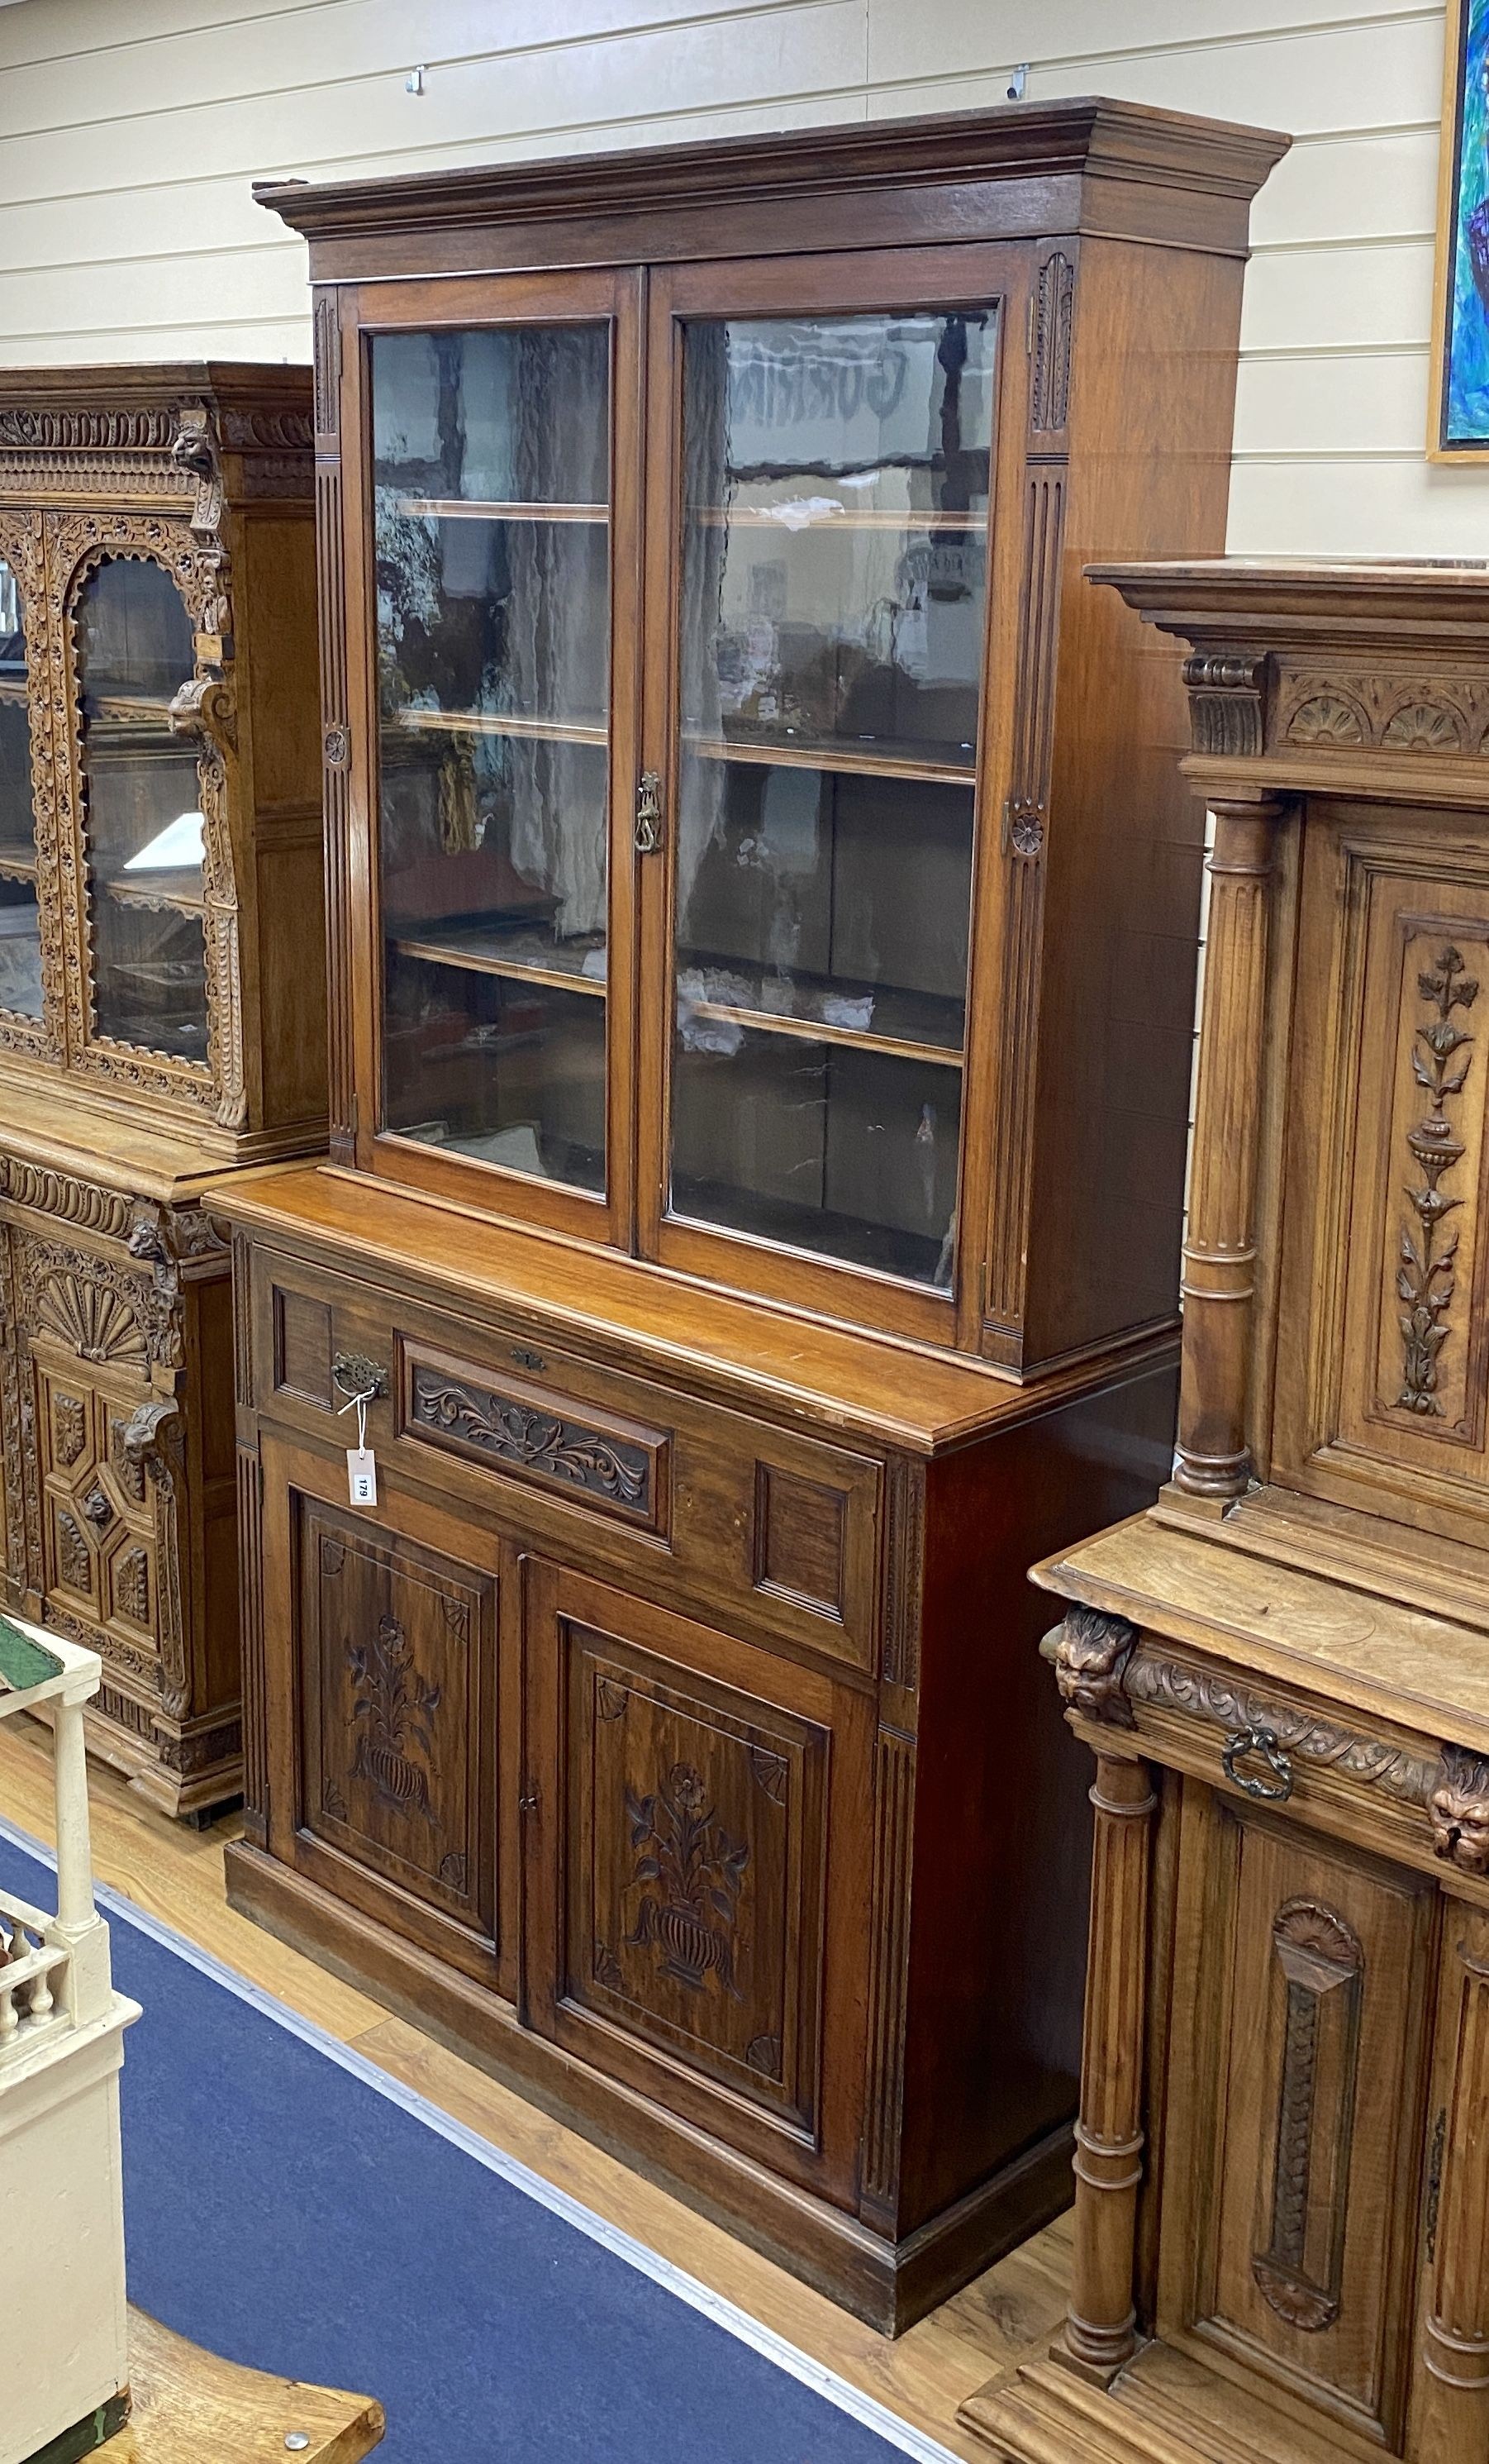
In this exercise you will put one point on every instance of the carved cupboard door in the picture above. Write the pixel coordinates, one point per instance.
(696, 1871)
(1302, 2001)
(393, 1676)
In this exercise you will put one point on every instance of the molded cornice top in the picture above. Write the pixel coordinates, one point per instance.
(1273, 602)
(1116, 141)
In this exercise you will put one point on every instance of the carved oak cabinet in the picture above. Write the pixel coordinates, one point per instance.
(161, 1001)
(762, 916)
(1283, 2168)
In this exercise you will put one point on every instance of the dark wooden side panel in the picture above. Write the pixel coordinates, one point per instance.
(1124, 851)
(1001, 1838)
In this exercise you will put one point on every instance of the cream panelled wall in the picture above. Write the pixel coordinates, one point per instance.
(129, 131)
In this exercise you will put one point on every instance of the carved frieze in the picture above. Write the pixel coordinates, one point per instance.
(1352, 708)
(1204, 1694)
(57, 1194)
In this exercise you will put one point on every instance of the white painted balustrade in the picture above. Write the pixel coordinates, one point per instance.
(62, 2031)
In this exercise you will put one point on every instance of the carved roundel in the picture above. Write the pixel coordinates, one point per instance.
(337, 748)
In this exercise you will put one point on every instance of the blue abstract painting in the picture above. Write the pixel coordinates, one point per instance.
(1464, 422)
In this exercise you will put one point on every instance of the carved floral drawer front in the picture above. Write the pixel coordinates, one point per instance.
(534, 1432)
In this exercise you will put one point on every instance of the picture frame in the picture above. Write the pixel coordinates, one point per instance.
(1459, 418)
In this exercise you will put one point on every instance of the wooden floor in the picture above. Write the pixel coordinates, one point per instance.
(177, 1875)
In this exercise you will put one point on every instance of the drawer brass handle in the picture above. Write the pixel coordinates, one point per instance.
(1258, 1741)
(360, 1379)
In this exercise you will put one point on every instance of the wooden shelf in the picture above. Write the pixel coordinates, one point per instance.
(484, 953)
(845, 518)
(883, 759)
(909, 1022)
(814, 1030)
(499, 509)
(182, 893)
(475, 722)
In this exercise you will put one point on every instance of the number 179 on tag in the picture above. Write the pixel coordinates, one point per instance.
(361, 1475)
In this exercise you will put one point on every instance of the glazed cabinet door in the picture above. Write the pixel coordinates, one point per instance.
(492, 573)
(696, 1871)
(825, 727)
(381, 1691)
(30, 945)
(143, 829)
(1303, 1997)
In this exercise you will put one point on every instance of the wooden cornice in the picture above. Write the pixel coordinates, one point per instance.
(1366, 680)
(231, 384)
(1092, 135)
(1276, 602)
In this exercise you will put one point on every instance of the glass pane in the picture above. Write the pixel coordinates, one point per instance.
(492, 486)
(20, 923)
(141, 812)
(834, 605)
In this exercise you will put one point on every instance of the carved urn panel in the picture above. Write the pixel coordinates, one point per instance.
(397, 1690)
(696, 1831)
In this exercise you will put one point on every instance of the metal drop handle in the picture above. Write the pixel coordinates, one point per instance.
(1264, 1742)
(648, 814)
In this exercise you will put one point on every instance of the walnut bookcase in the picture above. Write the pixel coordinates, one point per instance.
(161, 1001)
(1282, 2203)
(762, 937)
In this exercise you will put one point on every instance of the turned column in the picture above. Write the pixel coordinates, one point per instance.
(1100, 2326)
(1220, 1246)
(1452, 2424)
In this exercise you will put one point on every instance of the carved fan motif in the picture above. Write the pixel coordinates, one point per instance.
(1424, 726)
(91, 1320)
(1328, 719)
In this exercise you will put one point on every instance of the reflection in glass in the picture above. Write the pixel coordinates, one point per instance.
(141, 812)
(834, 604)
(493, 484)
(20, 922)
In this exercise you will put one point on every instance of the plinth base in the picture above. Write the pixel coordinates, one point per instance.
(1163, 2409)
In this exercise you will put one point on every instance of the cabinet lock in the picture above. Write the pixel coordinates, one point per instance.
(648, 814)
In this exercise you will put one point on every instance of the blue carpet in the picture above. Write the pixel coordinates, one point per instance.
(283, 2210)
